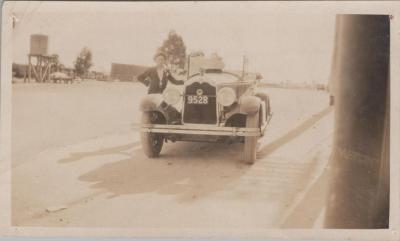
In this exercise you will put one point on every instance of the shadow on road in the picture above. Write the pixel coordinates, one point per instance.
(76, 156)
(188, 170)
(297, 131)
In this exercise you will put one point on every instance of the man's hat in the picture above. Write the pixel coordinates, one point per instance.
(160, 54)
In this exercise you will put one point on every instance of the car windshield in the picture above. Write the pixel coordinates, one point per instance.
(224, 77)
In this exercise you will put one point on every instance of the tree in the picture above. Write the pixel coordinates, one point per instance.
(175, 49)
(83, 62)
(57, 65)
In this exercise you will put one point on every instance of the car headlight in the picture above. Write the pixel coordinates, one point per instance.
(226, 96)
(172, 95)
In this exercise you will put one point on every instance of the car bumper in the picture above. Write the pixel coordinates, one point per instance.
(202, 130)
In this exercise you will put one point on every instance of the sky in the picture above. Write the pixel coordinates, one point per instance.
(284, 42)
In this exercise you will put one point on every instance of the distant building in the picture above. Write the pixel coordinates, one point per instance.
(68, 71)
(97, 75)
(19, 70)
(126, 72)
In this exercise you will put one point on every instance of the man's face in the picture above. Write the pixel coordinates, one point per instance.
(160, 61)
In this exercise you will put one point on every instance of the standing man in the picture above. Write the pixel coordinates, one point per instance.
(156, 78)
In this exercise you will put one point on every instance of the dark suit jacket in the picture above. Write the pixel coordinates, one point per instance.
(150, 79)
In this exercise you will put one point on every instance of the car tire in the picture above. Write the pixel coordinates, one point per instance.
(250, 142)
(264, 97)
(151, 142)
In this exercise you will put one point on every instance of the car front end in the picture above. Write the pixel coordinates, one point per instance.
(213, 106)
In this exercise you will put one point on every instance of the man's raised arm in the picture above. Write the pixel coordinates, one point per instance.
(144, 78)
(173, 80)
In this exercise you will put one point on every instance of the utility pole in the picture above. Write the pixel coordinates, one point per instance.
(358, 195)
(245, 60)
(188, 67)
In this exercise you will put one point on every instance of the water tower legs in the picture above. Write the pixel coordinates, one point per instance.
(41, 70)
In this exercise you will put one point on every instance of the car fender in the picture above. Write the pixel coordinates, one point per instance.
(151, 102)
(249, 105)
(155, 103)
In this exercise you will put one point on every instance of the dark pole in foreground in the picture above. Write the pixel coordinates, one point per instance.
(359, 169)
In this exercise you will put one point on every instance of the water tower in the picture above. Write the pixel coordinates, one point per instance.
(39, 62)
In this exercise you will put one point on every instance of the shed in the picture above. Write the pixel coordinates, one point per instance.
(126, 72)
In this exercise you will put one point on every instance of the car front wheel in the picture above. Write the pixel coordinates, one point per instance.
(151, 142)
(250, 142)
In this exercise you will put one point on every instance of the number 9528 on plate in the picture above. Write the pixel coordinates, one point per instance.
(197, 99)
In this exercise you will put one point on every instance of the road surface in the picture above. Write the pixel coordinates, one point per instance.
(77, 161)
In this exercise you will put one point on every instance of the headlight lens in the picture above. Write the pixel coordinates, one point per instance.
(172, 95)
(226, 96)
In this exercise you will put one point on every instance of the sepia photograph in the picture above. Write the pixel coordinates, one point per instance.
(200, 119)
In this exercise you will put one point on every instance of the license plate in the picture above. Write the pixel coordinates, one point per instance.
(197, 99)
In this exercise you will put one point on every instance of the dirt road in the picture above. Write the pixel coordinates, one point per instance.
(77, 161)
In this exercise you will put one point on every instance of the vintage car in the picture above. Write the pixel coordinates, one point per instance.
(213, 106)
(61, 77)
